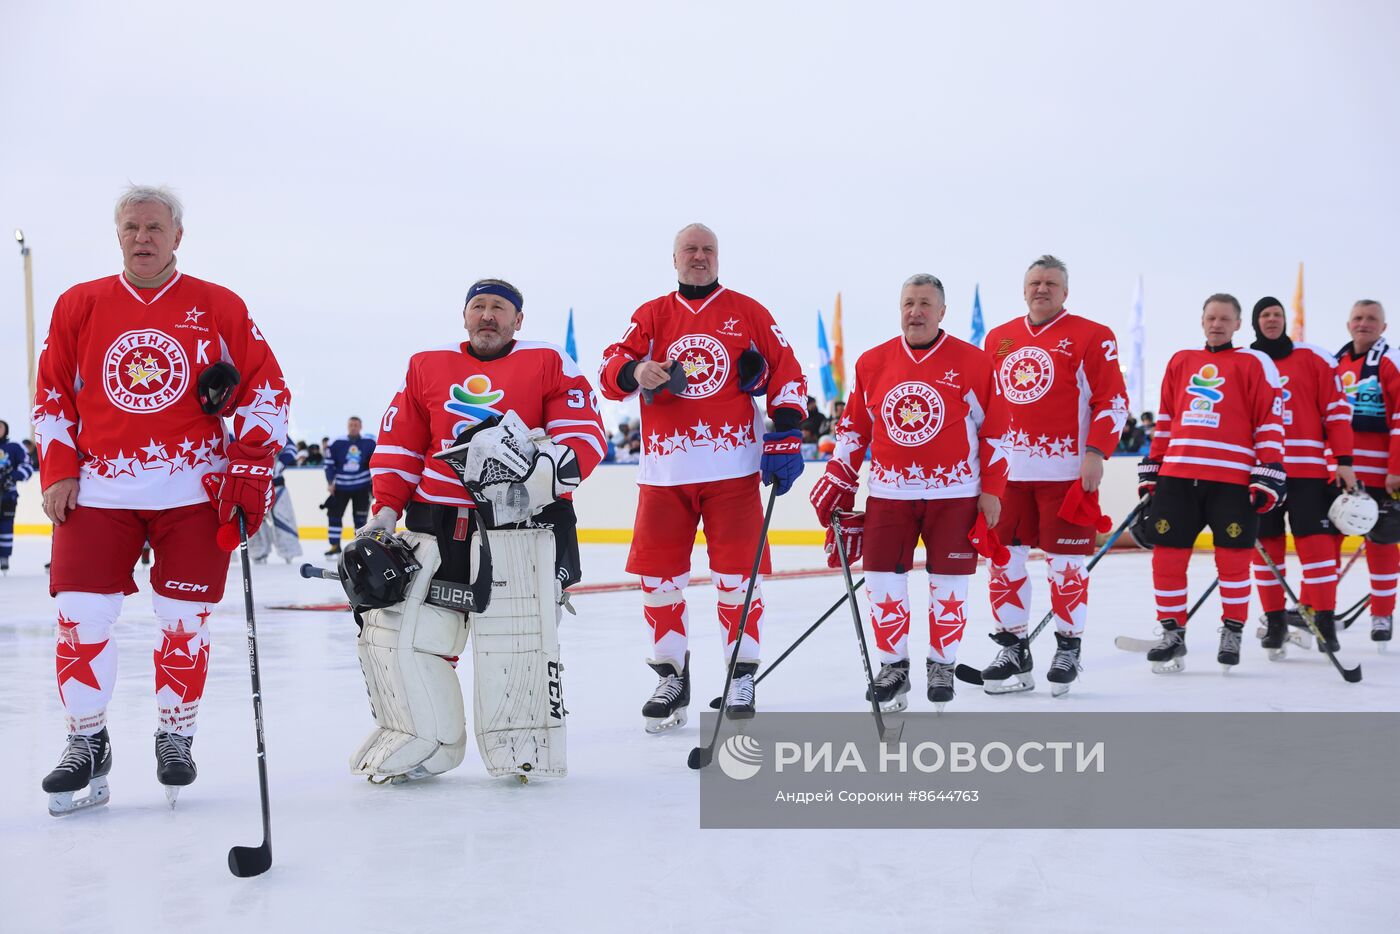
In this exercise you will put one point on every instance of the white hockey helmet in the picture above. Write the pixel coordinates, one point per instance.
(1354, 513)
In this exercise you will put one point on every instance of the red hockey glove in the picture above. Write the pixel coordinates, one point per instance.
(1268, 487)
(246, 485)
(835, 489)
(852, 539)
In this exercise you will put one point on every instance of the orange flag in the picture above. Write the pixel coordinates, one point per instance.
(838, 352)
(1296, 331)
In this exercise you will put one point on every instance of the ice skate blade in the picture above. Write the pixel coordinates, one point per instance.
(1171, 666)
(895, 706)
(938, 708)
(1012, 685)
(1276, 655)
(1382, 648)
(62, 803)
(172, 794)
(675, 721)
(1060, 690)
(1225, 669)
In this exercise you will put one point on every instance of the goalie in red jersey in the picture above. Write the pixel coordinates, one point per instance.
(137, 375)
(925, 407)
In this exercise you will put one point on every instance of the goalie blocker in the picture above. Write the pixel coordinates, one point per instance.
(408, 651)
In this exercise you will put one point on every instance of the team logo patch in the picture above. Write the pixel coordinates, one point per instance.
(145, 371)
(704, 361)
(1233, 530)
(912, 413)
(474, 400)
(1204, 390)
(1026, 375)
(1163, 526)
(1364, 395)
(1287, 396)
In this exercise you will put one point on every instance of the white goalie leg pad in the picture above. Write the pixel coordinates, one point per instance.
(519, 710)
(413, 688)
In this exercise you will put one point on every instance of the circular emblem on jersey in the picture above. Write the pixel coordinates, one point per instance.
(1233, 530)
(1026, 375)
(912, 413)
(145, 371)
(1163, 526)
(704, 361)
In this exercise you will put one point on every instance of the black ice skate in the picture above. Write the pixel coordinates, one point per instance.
(174, 763)
(1169, 654)
(1380, 631)
(1228, 655)
(5, 565)
(741, 702)
(1326, 623)
(85, 764)
(892, 687)
(333, 550)
(1064, 667)
(666, 708)
(1275, 635)
(1010, 671)
(940, 683)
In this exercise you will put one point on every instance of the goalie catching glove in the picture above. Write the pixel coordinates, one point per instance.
(511, 471)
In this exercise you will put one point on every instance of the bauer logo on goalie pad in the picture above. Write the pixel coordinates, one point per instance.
(451, 597)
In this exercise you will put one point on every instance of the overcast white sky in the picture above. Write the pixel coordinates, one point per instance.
(349, 168)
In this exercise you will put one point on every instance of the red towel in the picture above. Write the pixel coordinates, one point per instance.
(1082, 508)
(985, 542)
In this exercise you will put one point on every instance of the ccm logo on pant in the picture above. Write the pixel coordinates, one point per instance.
(185, 587)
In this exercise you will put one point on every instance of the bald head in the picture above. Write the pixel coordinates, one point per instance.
(696, 255)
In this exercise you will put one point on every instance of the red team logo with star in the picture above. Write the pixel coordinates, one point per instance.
(704, 361)
(1026, 375)
(912, 413)
(145, 371)
(179, 668)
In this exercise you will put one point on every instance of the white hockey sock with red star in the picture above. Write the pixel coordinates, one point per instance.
(888, 596)
(86, 657)
(663, 603)
(730, 603)
(947, 615)
(1010, 593)
(1069, 593)
(182, 661)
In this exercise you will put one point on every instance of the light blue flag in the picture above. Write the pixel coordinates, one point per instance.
(824, 362)
(570, 347)
(979, 330)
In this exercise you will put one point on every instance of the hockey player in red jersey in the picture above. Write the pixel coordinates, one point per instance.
(1065, 407)
(924, 404)
(137, 373)
(1316, 420)
(1370, 373)
(1216, 459)
(485, 402)
(708, 361)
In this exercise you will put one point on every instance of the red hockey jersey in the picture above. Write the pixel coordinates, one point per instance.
(117, 403)
(1221, 412)
(711, 430)
(931, 419)
(1374, 396)
(1064, 392)
(1316, 416)
(448, 390)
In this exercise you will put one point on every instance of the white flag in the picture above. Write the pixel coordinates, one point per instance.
(1137, 372)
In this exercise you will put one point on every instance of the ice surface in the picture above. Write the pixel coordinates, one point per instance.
(616, 845)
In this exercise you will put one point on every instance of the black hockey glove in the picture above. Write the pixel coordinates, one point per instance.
(1147, 476)
(753, 372)
(218, 389)
(1268, 487)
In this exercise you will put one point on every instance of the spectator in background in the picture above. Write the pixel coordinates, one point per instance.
(1148, 423)
(1133, 439)
(815, 424)
(313, 456)
(31, 452)
(838, 408)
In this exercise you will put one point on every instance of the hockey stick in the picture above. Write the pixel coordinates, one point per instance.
(714, 704)
(245, 861)
(970, 675)
(314, 573)
(1350, 675)
(701, 756)
(887, 734)
(1352, 613)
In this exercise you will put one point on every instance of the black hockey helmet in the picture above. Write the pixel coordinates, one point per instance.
(375, 570)
(1139, 531)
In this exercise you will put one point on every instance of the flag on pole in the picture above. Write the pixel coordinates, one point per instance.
(838, 353)
(979, 330)
(1137, 371)
(570, 347)
(824, 363)
(1296, 331)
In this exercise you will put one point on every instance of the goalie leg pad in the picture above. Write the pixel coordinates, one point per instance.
(414, 693)
(519, 704)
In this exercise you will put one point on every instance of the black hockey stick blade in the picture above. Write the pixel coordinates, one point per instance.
(714, 704)
(967, 674)
(891, 734)
(700, 757)
(1351, 675)
(247, 861)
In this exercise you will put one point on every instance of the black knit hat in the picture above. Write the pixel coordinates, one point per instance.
(1279, 347)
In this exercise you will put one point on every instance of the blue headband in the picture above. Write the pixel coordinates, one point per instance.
(492, 288)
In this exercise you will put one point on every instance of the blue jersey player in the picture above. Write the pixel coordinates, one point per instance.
(347, 477)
